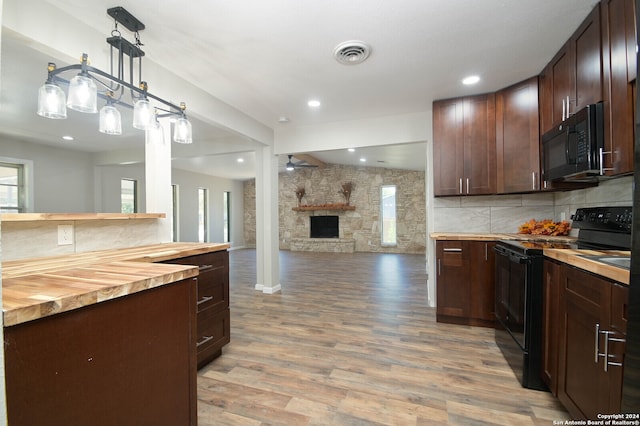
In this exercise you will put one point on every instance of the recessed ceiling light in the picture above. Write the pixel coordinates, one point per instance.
(283, 119)
(472, 79)
(363, 160)
(67, 138)
(351, 150)
(314, 103)
(240, 160)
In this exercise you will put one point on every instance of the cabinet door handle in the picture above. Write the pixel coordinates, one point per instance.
(597, 348)
(454, 250)
(204, 340)
(439, 267)
(460, 192)
(486, 252)
(568, 102)
(467, 186)
(563, 109)
(204, 299)
(606, 354)
(533, 180)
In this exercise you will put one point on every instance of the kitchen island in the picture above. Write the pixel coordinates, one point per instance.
(106, 337)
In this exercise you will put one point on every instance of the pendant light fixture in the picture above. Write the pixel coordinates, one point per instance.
(110, 120)
(90, 84)
(182, 129)
(155, 134)
(51, 99)
(83, 92)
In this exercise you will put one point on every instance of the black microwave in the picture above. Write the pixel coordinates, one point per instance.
(573, 150)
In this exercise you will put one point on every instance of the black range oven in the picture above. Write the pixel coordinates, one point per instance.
(519, 284)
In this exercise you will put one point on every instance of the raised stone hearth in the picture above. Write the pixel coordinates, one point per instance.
(335, 245)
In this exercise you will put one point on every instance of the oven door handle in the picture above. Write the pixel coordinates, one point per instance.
(513, 256)
(518, 258)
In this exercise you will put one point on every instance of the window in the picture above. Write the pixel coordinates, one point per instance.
(226, 205)
(129, 196)
(203, 215)
(11, 188)
(174, 217)
(388, 205)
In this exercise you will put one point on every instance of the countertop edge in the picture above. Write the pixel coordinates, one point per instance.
(573, 257)
(93, 277)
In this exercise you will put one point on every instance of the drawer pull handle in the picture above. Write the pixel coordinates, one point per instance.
(455, 250)
(204, 340)
(203, 267)
(204, 299)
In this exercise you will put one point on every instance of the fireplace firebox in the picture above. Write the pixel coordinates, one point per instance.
(324, 227)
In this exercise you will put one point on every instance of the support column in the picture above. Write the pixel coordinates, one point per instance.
(157, 170)
(267, 244)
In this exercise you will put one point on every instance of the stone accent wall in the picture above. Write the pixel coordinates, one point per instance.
(361, 226)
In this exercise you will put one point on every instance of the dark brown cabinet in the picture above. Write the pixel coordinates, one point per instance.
(592, 336)
(619, 68)
(518, 138)
(465, 282)
(464, 146)
(551, 324)
(213, 314)
(130, 360)
(573, 78)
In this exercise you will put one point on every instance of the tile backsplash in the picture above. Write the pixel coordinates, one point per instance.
(504, 213)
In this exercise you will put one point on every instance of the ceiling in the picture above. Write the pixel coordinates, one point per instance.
(268, 58)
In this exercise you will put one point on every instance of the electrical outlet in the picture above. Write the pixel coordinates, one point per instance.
(65, 235)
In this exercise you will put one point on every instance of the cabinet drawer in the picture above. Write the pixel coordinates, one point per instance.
(213, 290)
(206, 261)
(213, 333)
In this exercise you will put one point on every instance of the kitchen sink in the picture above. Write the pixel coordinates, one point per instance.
(619, 261)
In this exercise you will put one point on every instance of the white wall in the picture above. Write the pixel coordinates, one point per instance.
(188, 184)
(62, 178)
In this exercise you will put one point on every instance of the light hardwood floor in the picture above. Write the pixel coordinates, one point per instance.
(350, 341)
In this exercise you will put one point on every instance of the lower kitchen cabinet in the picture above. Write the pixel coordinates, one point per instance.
(592, 340)
(550, 323)
(465, 282)
(213, 314)
(130, 360)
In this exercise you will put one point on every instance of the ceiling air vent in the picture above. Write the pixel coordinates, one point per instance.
(352, 52)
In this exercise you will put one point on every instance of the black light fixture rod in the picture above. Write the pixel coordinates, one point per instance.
(83, 67)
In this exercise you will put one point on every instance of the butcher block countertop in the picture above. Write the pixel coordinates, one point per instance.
(574, 258)
(569, 256)
(458, 236)
(39, 287)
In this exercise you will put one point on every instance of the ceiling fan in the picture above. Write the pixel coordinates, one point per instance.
(300, 164)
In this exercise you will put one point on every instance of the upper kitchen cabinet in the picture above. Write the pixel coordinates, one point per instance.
(619, 70)
(573, 78)
(464, 146)
(518, 138)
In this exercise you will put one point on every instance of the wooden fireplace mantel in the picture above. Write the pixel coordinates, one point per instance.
(324, 207)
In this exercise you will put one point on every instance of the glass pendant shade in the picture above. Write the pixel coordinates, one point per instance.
(155, 134)
(83, 94)
(143, 115)
(110, 122)
(51, 101)
(182, 131)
